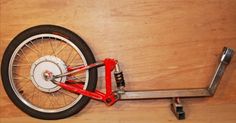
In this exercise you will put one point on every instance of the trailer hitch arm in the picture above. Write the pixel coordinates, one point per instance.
(110, 97)
(176, 94)
(225, 59)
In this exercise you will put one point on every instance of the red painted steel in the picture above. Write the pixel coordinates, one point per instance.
(109, 98)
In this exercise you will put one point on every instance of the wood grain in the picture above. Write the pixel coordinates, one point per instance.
(160, 44)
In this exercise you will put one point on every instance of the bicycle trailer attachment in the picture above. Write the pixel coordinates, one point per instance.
(110, 97)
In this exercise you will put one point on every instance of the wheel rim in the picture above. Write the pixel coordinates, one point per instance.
(29, 51)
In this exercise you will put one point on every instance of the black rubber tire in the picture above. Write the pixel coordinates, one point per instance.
(75, 39)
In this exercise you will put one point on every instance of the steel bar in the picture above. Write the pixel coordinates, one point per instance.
(224, 61)
(201, 92)
(97, 64)
(165, 94)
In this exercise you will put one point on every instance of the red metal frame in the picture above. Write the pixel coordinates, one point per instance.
(109, 98)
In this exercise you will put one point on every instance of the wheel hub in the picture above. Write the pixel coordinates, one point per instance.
(42, 71)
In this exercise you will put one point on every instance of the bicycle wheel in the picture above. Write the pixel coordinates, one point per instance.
(46, 48)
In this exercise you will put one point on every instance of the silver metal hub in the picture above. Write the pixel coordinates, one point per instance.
(42, 71)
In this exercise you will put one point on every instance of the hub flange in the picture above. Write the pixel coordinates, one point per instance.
(42, 71)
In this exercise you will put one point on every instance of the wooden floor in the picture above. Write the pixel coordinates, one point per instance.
(160, 44)
(138, 112)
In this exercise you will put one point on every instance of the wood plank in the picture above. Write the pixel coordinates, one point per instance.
(149, 111)
(161, 44)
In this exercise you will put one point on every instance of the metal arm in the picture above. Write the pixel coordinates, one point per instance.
(110, 97)
(198, 92)
(224, 61)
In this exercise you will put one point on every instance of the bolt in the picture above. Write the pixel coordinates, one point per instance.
(108, 100)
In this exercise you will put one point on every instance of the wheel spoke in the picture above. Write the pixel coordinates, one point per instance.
(40, 43)
(19, 56)
(66, 93)
(76, 64)
(69, 56)
(25, 56)
(72, 59)
(27, 78)
(52, 47)
(64, 99)
(36, 52)
(57, 52)
(20, 65)
(36, 48)
(32, 95)
(25, 85)
(55, 97)
(51, 102)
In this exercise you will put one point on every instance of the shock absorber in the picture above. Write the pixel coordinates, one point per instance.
(120, 82)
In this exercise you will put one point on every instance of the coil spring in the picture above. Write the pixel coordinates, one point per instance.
(119, 79)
